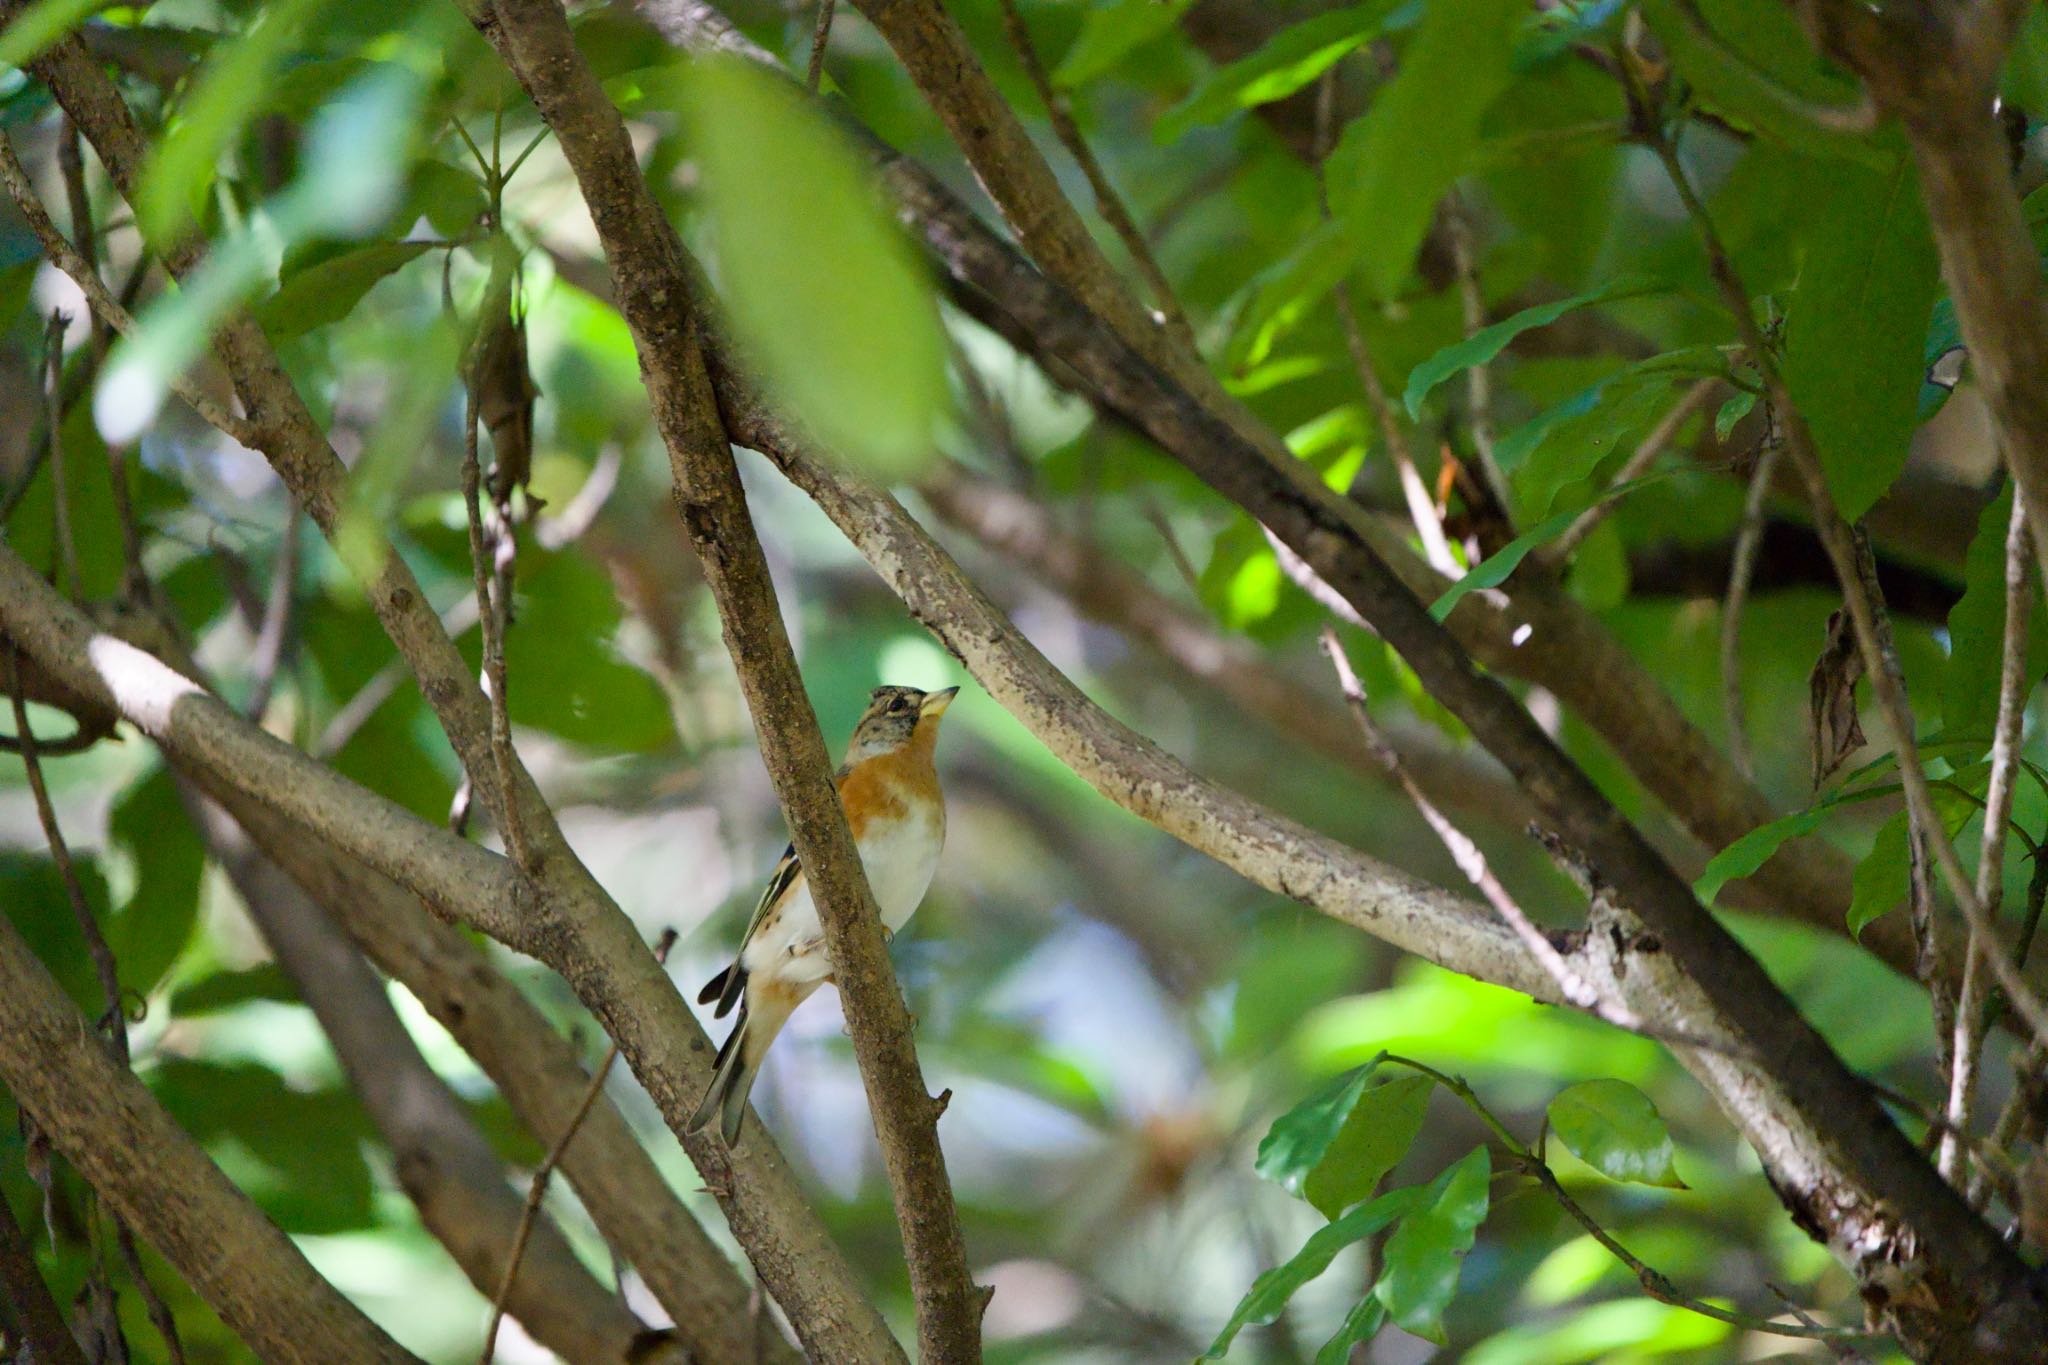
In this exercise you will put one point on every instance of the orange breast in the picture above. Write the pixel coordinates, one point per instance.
(882, 788)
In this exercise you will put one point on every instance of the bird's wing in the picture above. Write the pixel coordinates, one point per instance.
(730, 982)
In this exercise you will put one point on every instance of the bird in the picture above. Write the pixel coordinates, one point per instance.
(889, 788)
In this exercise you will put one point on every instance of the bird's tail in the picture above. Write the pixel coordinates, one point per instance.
(732, 1077)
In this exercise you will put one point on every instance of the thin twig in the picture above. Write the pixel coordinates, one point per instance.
(67, 259)
(821, 38)
(52, 387)
(2014, 685)
(1168, 312)
(1478, 378)
(273, 637)
(1872, 630)
(492, 615)
(1652, 1281)
(114, 1020)
(1472, 862)
(357, 710)
(1654, 443)
(1749, 540)
(537, 1190)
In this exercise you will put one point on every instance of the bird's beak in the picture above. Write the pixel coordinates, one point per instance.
(935, 703)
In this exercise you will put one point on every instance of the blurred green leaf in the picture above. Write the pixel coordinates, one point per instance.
(1488, 342)
(1881, 881)
(1271, 1291)
(562, 662)
(1299, 1138)
(1856, 328)
(1976, 630)
(823, 292)
(150, 828)
(1734, 410)
(1361, 1325)
(1110, 32)
(325, 292)
(218, 104)
(1744, 63)
(224, 990)
(1374, 1137)
(1614, 1128)
(41, 24)
(1395, 162)
(1423, 1257)
(1293, 57)
(1623, 1329)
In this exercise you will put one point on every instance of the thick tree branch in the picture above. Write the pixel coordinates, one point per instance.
(29, 1311)
(112, 1130)
(577, 930)
(651, 281)
(540, 1076)
(443, 1161)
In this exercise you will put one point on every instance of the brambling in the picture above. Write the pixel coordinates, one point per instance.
(890, 791)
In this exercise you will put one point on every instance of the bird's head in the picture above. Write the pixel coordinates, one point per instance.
(895, 716)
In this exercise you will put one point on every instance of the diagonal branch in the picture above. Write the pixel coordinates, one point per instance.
(108, 1126)
(651, 281)
(442, 1159)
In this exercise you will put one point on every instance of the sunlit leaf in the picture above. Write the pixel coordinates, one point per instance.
(221, 99)
(1394, 162)
(1614, 1128)
(41, 24)
(1425, 1254)
(1271, 1291)
(1299, 1138)
(823, 292)
(1290, 60)
(1622, 1329)
(1110, 33)
(1374, 1137)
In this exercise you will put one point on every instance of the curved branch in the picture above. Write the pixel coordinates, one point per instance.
(108, 1126)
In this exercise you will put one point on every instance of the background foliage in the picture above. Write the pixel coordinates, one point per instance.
(1122, 1022)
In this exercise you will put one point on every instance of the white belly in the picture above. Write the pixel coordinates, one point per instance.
(900, 858)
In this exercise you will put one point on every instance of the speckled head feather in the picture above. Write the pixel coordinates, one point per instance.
(891, 719)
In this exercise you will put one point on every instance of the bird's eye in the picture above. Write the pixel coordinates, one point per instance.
(899, 704)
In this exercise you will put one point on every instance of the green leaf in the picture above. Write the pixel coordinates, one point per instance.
(1278, 296)
(1488, 342)
(226, 989)
(150, 828)
(1396, 161)
(1754, 849)
(327, 291)
(1112, 32)
(1375, 1136)
(823, 292)
(563, 662)
(1733, 411)
(1298, 1138)
(1741, 66)
(40, 25)
(1880, 881)
(1614, 1128)
(1856, 328)
(1493, 571)
(1271, 1291)
(1293, 57)
(1567, 442)
(227, 92)
(1426, 1252)
(1976, 630)
(1361, 1325)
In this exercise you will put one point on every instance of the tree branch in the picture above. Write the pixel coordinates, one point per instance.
(652, 284)
(1540, 635)
(443, 1161)
(540, 1076)
(112, 1130)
